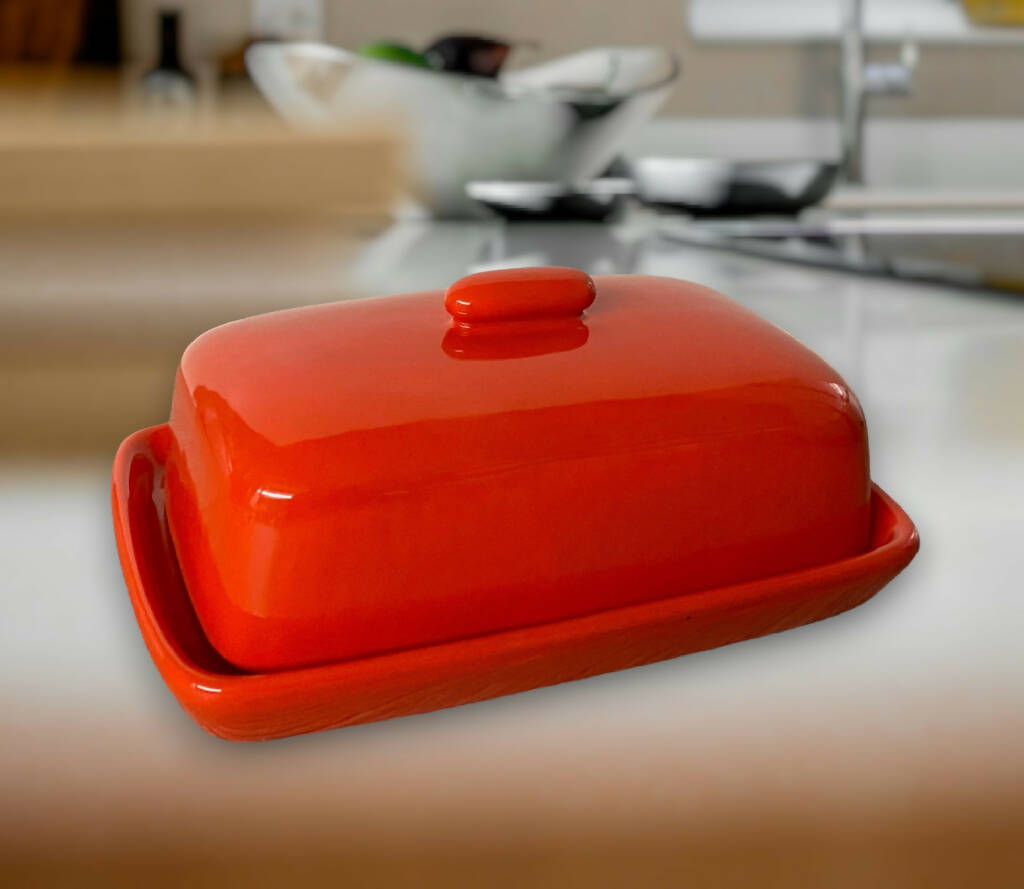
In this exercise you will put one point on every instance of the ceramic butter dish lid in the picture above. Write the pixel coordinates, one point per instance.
(515, 462)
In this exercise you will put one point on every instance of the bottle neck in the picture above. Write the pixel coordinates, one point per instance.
(169, 59)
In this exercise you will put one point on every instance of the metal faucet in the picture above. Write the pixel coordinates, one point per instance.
(858, 80)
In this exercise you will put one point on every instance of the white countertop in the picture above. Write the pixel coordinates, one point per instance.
(909, 707)
(926, 21)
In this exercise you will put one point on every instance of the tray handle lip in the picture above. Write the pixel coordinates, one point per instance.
(894, 542)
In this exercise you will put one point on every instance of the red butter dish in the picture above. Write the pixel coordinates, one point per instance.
(387, 506)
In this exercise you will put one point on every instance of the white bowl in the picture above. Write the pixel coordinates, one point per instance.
(564, 120)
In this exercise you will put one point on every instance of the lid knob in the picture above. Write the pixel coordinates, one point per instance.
(520, 294)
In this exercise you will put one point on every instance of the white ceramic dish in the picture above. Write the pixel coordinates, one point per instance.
(563, 120)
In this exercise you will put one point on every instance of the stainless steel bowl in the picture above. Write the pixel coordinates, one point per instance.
(700, 187)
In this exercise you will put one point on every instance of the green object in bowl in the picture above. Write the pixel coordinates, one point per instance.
(392, 52)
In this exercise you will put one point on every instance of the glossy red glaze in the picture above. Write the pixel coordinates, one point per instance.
(517, 294)
(344, 481)
(255, 706)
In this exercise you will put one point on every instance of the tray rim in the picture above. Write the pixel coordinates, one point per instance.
(240, 705)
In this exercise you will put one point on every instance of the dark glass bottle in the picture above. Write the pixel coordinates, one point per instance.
(169, 85)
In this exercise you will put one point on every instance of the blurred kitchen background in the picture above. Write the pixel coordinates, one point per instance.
(744, 58)
(850, 170)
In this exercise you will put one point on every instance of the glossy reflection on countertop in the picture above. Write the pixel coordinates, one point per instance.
(907, 709)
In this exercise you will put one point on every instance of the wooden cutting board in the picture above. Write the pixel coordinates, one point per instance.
(118, 166)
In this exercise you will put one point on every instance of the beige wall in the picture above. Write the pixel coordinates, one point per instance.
(719, 79)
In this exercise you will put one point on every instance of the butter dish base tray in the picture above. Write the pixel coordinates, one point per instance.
(239, 705)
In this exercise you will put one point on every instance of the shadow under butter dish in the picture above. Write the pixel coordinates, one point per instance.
(343, 484)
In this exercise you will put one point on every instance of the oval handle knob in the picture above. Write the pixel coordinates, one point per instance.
(520, 294)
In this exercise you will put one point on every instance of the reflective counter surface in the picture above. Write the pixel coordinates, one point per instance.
(886, 740)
